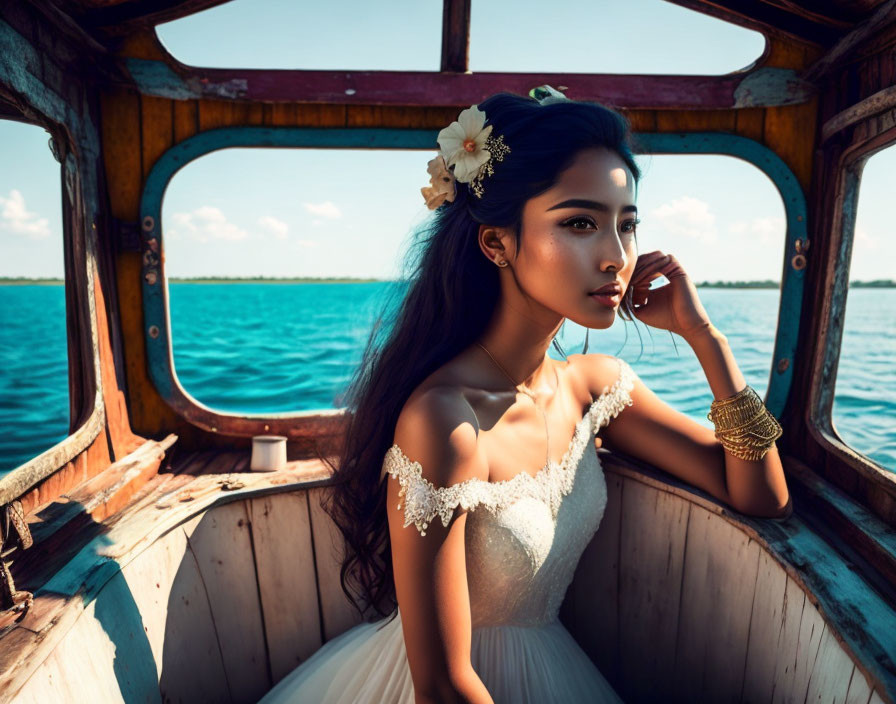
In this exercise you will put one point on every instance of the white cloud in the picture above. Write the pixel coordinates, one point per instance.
(767, 230)
(277, 228)
(864, 240)
(15, 218)
(206, 224)
(305, 244)
(327, 210)
(686, 217)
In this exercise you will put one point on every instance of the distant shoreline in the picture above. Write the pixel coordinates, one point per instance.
(22, 281)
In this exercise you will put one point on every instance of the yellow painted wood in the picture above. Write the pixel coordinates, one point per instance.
(157, 130)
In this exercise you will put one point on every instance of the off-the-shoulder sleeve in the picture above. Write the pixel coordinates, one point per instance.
(423, 501)
(611, 402)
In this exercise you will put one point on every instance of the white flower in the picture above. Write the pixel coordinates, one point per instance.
(441, 184)
(463, 143)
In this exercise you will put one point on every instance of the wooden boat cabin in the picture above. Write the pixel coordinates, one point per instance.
(143, 561)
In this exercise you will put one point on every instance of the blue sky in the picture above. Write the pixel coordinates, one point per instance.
(242, 212)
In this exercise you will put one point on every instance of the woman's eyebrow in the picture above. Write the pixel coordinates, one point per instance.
(591, 205)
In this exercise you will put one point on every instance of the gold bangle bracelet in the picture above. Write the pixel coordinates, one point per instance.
(744, 426)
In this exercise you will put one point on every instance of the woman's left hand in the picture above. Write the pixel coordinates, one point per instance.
(674, 306)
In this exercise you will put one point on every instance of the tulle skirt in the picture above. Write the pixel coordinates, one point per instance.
(518, 664)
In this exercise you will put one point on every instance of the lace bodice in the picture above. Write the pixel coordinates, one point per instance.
(522, 550)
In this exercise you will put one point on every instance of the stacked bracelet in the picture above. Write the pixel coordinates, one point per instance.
(744, 426)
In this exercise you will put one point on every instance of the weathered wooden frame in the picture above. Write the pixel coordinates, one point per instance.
(78, 142)
(872, 134)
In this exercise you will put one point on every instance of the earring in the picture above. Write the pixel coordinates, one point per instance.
(585, 348)
(501, 262)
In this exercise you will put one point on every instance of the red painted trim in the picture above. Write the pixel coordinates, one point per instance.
(430, 88)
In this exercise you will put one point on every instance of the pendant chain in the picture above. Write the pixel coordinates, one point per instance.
(531, 394)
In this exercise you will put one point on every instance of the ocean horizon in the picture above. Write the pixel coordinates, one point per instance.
(273, 348)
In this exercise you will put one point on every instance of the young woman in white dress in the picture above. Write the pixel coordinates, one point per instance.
(469, 482)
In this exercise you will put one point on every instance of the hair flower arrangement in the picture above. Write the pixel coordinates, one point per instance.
(441, 184)
(468, 146)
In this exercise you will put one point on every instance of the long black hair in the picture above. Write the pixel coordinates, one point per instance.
(448, 291)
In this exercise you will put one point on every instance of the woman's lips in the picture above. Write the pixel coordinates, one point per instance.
(607, 299)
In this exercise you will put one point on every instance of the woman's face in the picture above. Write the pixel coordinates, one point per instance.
(578, 236)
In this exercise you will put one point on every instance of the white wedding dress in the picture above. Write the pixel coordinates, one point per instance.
(524, 537)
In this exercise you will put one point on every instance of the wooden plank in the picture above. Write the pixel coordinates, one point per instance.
(767, 625)
(794, 685)
(120, 125)
(859, 688)
(720, 570)
(653, 536)
(829, 679)
(287, 581)
(157, 129)
(221, 541)
(169, 591)
(790, 132)
(591, 607)
(337, 613)
(186, 119)
(104, 658)
(750, 123)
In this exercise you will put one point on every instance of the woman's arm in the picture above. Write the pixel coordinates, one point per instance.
(653, 431)
(759, 486)
(438, 430)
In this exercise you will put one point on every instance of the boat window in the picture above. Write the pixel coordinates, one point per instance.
(34, 394)
(724, 221)
(583, 36)
(316, 238)
(278, 342)
(865, 389)
(283, 34)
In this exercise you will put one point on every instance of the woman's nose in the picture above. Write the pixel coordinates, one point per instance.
(612, 254)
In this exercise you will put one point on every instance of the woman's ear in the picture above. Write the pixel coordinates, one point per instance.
(491, 242)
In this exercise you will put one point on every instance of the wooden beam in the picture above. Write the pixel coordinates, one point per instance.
(759, 87)
(456, 36)
(766, 18)
(883, 17)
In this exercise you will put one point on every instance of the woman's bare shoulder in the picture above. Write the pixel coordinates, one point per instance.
(438, 428)
(596, 370)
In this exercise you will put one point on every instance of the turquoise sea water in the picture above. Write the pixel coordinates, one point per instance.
(273, 348)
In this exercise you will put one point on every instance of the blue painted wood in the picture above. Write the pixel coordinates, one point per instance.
(155, 295)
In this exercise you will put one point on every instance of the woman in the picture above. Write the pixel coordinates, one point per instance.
(454, 525)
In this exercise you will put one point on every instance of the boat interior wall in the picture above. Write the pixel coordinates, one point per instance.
(220, 596)
(43, 87)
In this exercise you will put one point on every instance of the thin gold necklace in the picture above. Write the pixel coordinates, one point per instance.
(531, 394)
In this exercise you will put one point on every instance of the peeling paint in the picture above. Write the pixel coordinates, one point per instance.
(157, 78)
(772, 86)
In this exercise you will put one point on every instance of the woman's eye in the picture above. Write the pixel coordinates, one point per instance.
(580, 223)
(630, 225)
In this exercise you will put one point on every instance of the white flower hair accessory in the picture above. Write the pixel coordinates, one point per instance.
(441, 184)
(468, 146)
